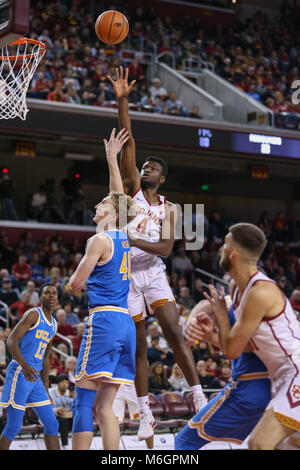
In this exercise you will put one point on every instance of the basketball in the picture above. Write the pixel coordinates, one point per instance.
(111, 27)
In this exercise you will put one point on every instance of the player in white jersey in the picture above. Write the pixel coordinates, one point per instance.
(264, 317)
(149, 288)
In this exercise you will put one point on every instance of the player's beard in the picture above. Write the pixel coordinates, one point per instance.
(225, 263)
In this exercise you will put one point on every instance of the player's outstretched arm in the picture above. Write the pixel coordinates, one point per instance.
(112, 148)
(26, 322)
(129, 172)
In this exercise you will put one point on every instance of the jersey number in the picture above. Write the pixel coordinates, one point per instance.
(41, 350)
(142, 226)
(125, 266)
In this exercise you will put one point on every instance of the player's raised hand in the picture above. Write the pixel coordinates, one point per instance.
(217, 301)
(115, 143)
(120, 84)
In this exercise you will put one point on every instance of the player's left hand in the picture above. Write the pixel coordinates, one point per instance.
(217, 301)
(115, 143)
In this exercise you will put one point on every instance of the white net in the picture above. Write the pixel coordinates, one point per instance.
(18, 63)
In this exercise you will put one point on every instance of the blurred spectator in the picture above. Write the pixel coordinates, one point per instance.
(172, 103)
(8, 294)
(265, 224)
(62, 407)
(217, 227)
(182, 264)
(156, 89)
(37, 270)
(76, 340)
(185, 298)
(58, 93)
(154, 330)
(156, 353)
(211, 366)
(135, 71)
(69, 370)
(201, 351)
(281, 227)
(7, 209)
(194, 113)
(198, 291)
(285, 285)
(19, 307)
(205, 377)
(64, 329)
(30, 289)
(55, 365)
(295, 300)
(178, 381)
(158, 383)
(71, 318)
(21, 270)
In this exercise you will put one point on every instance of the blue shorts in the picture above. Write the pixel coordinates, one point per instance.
(229, 416)
(19, 392)
(108, 346)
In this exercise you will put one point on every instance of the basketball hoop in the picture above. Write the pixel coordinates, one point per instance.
(18, 63)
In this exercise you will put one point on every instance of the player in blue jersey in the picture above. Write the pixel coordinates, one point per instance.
(107, 353)
(27, 377)
(233, 413)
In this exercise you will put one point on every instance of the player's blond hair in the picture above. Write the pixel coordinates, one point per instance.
(124, 206)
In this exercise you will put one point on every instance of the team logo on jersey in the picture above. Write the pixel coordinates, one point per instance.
(294, 395)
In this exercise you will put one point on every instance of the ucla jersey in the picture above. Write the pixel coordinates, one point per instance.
(246, 363)
(108, 284)
(34, 343)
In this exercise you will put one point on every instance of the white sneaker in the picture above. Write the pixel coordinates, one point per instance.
(147, 424)
(199, 401)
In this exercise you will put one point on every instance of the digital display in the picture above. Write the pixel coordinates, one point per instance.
(243, 142)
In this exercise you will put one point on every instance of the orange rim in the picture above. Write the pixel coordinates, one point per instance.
(27, 56)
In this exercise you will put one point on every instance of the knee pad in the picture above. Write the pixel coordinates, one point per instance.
(82, 409)
(14, 422)
(47, 417)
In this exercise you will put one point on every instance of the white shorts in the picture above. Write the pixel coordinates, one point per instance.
(286, 400)
(150, 289)
(126, 395)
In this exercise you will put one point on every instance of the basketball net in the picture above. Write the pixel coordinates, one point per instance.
(18, 63)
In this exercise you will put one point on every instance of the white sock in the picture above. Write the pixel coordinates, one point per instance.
(144, 403)
(197, 389)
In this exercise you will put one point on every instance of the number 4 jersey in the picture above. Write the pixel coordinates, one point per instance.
(147, 225)
(108, 283)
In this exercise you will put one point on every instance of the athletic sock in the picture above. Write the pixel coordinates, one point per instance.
(144, 403)
(197, 389)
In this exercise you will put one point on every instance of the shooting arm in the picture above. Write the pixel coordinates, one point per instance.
(129, 172)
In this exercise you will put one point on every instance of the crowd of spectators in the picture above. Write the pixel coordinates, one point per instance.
(261, 56)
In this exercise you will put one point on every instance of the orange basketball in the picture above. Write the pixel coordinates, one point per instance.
(111, 27)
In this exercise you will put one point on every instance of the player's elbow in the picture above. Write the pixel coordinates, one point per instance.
(74, 285)
(231, 353)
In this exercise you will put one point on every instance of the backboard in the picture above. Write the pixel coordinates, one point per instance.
(14, 20)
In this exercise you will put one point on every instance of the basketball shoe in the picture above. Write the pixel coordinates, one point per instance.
(147, 424)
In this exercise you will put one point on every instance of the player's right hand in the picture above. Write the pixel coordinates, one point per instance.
(199, 328)
(121, 87)
(30, 373)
